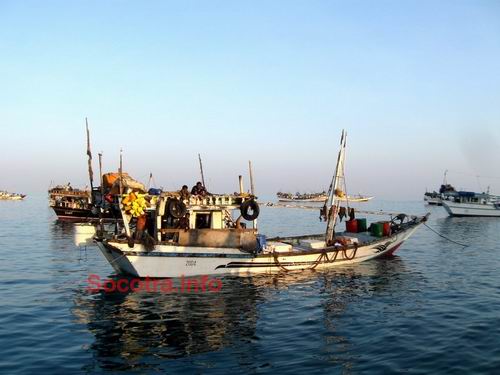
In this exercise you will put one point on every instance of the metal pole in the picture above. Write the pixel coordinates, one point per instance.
(240, 179)
(201, 170)
(100, 173)
(252, 187)
(89, 154)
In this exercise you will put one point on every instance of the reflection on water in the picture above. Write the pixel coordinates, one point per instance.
(135, 330)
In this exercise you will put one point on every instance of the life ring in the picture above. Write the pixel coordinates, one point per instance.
(176, 208)
(246, 207)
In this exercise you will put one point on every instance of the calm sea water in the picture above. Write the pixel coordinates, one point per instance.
(434, 308)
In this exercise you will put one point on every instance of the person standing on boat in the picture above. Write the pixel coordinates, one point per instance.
(199, 189)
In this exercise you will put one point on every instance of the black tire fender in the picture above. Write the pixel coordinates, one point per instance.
(176, 208)
(246, 206)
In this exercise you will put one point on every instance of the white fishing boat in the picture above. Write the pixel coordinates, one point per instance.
(302, 197)
(319, 197)
(433, 199)
(465, 203)
(201, 235)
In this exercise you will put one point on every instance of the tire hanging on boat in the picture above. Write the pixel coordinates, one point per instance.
(176, 208)
(246, 207)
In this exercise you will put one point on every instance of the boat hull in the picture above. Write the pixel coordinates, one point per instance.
(469, 210)
(433, 201)
(176, 261)
(74, 214)
(77, 215)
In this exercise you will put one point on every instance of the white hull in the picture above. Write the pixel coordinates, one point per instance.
(175, 261)
(470, 209)
(323, 199)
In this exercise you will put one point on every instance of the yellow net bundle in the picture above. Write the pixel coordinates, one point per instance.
(135, 204)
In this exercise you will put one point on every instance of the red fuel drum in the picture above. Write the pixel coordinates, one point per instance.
(386, 229)
(351, 226)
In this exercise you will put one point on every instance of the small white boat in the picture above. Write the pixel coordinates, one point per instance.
(200, 236)
(355, 198)
(305, 197)
(323, 197)
(464, 203)
(433, 199)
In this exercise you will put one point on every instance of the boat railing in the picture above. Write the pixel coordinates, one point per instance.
(214, 201)
(79, 193)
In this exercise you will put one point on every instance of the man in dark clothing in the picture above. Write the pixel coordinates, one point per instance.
(199, 189)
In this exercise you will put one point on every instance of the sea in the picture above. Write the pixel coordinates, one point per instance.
(432, 308)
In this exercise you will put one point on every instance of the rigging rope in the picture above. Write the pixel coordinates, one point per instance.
(443, 236)
(323, 255)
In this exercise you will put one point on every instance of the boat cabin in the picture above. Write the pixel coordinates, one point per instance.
(470, 197)
(205, 221)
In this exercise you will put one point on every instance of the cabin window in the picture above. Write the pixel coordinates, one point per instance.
(202, 221)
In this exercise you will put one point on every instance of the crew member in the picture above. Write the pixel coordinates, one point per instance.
(199, 189)
(184, 193)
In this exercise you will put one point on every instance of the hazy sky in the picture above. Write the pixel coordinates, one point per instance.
(414, 83)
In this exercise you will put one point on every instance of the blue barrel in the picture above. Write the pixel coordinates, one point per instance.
(154, 191)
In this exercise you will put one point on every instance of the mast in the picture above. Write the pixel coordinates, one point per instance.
(201, 170)
(89, 154)
(331, 205)
(124, 217)
(120, 171)
(100, 175)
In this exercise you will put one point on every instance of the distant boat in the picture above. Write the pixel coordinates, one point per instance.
(356, 198)
(466, 203)
(6, 196)
(79, 205)
(302, 197)
(435, 198)
(318, 197)
(71, 204)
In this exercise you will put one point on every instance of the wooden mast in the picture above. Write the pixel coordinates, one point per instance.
(100, 175)
(331, 205)
(252, 189)
(124, 216)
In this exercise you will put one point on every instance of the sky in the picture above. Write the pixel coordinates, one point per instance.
(414, 83)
